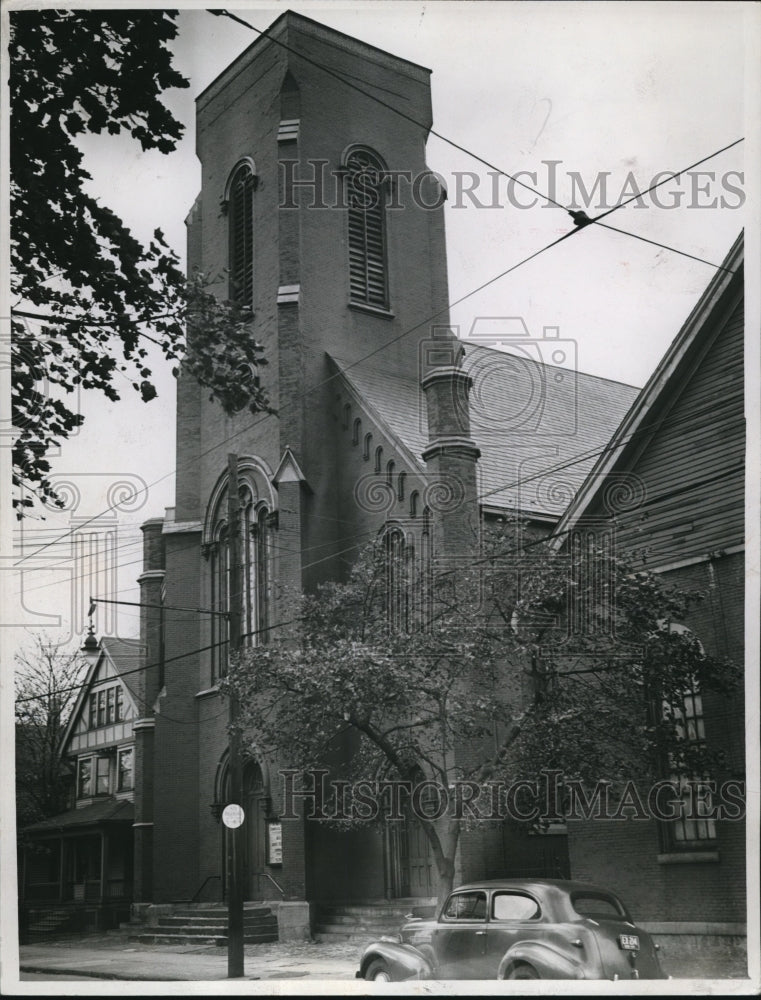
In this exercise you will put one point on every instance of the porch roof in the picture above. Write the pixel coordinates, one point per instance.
(107, 811)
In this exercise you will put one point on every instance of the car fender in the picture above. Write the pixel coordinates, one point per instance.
(404, 961)
(549, 961)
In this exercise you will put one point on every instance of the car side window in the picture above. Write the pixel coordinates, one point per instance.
(466, 906)
(514, 906)
(597, 905)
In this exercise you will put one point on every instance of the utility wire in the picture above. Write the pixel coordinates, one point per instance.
(382, 347)
(469, 152)
(689, 418)
(390, 107)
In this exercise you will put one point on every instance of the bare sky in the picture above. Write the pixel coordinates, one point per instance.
(562, 90)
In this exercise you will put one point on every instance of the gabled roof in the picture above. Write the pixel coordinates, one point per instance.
(539, 427)
(107, 811)
(122, 658)
(641, 423)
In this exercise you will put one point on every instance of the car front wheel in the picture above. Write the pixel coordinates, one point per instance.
(379, 972)
(523, 971)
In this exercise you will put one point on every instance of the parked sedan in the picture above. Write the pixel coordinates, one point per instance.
(518, 929)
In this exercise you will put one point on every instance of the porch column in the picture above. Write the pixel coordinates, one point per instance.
(103, 864)
(63, 857)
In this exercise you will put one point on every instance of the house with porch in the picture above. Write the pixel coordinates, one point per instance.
(77, 867)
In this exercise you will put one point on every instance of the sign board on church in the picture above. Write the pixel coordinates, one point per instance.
(274, 842)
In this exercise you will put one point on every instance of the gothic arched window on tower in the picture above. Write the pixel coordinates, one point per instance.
(255, 552)
(366, 194)
(220, 601)
(240, 214)
(256, 568)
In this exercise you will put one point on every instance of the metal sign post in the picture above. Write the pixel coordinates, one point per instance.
(235, 833)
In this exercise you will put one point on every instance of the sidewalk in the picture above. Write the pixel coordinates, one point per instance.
(112, 957)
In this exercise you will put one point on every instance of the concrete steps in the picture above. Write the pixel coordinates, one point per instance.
(206, 924)
(363, 922)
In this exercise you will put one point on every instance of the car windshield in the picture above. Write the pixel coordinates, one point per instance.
(595, 904)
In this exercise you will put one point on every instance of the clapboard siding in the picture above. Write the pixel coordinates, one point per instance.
(691, 464)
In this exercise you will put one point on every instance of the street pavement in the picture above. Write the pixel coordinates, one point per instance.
(114, 957)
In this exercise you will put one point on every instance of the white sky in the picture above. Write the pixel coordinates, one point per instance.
(641, 88)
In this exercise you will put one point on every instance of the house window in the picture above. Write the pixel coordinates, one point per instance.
(84, 778)
(241, 230)
(357, 431)
(695, 828)
(105, 707)
(378, 458)
(400, 486)
(368, 281)
(102, 775)
(125, 781)
(368, 443)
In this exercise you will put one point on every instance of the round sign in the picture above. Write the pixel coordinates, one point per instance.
(233, 816)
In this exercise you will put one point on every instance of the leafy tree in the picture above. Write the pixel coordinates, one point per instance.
(88, 296)
(47, 680)
(531, 660)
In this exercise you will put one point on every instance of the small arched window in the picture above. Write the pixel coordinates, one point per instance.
(357, 431)
(240, 213)
(368, 280)
(414, 500)
(368, 443)
(397, 580)
(390, 473)
(347, 415)
(400, 485)
(378, 458)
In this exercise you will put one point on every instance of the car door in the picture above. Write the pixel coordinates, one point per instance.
(514, 917)
(459, 939)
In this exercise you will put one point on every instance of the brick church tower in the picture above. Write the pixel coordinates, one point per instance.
(318, 211)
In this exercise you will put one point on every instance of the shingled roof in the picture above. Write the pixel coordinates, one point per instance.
(109, 810)
(540, 428)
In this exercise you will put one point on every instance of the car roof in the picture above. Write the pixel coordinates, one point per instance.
(535, 884)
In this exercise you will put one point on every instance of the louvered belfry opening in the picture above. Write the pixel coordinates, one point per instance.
(241, 216)
(367, 229)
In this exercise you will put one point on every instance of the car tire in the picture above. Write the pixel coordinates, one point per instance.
(378, 972)
(522, 971)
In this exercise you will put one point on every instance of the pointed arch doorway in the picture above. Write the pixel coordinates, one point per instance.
(255, 809)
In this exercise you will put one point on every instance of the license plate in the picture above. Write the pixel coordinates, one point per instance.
(629, 942)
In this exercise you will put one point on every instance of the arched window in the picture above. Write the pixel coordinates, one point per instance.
(396, 580)
(256, 568)
(368, 280)
(414, 500)
(220, 601)
(255, 548)
(368, 443)
(425, 572)
(357, 431)
(347, 415)
(400, 485)
(240, 213)
(378, 458)
(390, 473)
